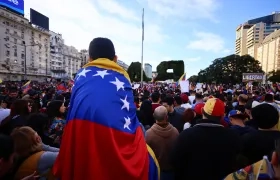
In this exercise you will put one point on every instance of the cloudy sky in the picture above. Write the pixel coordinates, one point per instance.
(196, 31)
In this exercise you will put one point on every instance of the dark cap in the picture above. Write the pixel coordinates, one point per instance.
(265, 115)
(101, 48)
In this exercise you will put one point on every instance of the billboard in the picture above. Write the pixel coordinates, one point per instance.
(15, 5)
(256, 77)
(39, 19)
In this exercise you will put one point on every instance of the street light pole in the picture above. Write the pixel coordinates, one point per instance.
(142, 47)
(25, 67)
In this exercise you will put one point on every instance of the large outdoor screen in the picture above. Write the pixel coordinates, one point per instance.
(14, 5)
(39, 19)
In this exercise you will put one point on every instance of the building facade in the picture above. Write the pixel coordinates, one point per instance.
(241, 39)
(252, 33)
(148, 70)
(122, 64)
(72, 61)
(24, 49)
(269, 52)
(65, 60)
(57, 65)
(84, 56)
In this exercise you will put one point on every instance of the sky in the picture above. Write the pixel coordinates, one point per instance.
(196, 31)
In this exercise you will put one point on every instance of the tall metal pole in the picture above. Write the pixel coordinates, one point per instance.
(142, 47)
(25, 71)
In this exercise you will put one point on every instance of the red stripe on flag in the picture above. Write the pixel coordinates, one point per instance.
(93, 151)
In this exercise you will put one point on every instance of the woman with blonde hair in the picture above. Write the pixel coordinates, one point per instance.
(31, 156)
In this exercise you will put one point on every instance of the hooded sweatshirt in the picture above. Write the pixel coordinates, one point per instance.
(242, 130)
(161, 140)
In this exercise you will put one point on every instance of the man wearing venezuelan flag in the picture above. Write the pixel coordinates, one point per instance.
(103, 139)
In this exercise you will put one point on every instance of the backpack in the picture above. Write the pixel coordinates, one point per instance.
(29, 166)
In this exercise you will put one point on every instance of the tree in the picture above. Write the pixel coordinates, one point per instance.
(134, 72)
(177, 66)
(229, 69)
(274, 76)
(193, 78)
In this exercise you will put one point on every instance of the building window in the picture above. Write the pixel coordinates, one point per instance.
(7, 38)
(7, 53)
(15, 53)
(22, 69)
(22, 63)
(15, 40)
(22, 56)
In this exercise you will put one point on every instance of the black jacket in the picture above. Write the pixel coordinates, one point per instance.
(176, 120)
(206, 151)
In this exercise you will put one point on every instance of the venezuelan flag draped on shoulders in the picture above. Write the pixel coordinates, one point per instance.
(103, 138)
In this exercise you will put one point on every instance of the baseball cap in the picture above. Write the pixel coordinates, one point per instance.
(198, 108)
(237, 114)
(214, 107)
(185, 98)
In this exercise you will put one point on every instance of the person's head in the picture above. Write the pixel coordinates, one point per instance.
(236, 117)
(160, 114)
(214, 109)
(266, 116)
(167, 102)
(185, 98)
(188, 115)
(4, 104)
(39, 122)
(242, 99)
(249, 106)
(26, 141)
(198, 109)
(177, 101)
(13, 92)
(155, 97)
(56, 109)
(19, 107)
(198, 97)
(102, 48)
(6, 154)
(269, 98)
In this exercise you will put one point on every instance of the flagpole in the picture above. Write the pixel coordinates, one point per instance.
(142, 47)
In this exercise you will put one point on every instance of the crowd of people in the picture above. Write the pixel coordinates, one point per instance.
(159, 133)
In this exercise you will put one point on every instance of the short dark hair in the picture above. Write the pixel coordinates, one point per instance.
(101, 48)
(178, 100)
(265, 115)
(268, 98)
(7, 147)
(169, 100)
(155, 96)
(198, 96)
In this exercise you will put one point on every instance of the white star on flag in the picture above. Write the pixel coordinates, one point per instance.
(118, 83)
(125, 103)
(101, 73)
(82, 73)
(127, 123)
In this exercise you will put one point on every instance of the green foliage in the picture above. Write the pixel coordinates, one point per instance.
(274, 76)
(193, 78)
(134, 72)
(177, 66)
(229, 69)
